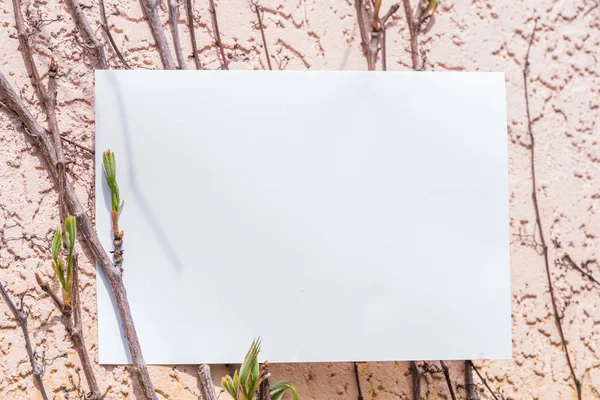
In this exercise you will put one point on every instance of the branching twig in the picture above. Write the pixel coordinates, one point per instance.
(416, 380)
(105, 27)
(22, 320)
(213, 14)
(151, 10)
(173, 18)
(9, 97)
(372, 29)
(206, 384)
(257, 10)
(190, 17)
(448, 380)
(48, 100)
(469, 385)
(358, 387)
(414, 46)
(538, 219)
(71, 318)
(27, 53)
(484, 381)
(87, 33)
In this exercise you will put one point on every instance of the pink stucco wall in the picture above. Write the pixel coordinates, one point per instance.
(470, 35)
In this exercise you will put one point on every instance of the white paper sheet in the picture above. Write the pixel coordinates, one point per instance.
(338, 215)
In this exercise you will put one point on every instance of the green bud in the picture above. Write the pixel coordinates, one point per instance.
(110, 171)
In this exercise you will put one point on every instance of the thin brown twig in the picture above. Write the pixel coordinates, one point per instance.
(372, 29)
(190, 17)
(213, 14)
(48, 100)
(414, 45)
(115, 279)
(264, 391)
(206, 384)
(87, 33)
(358, 387)
(27, 53)
(567, 258)
(71, 319)
(22, 321)
(416, 380)
(50, 105)
(151, 10)
(469, 385)
(384, 20)
(82, 147)
(448, 380)
(484, 381)
(78, 338)
(557, 318)
(105, 27)
(258, 8)
(173, 18)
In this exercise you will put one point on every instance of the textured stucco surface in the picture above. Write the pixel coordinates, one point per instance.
(471, 35)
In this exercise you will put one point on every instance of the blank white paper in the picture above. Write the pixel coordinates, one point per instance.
(337, 215)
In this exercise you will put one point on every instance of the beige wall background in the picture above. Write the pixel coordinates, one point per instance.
(468, 35)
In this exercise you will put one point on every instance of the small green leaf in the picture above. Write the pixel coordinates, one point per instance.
(229, 386)
(279, 389)
(56, 244)
(71, 231)
(250, 364)
(59, 273)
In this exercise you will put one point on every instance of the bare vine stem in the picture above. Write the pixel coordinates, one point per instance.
(469, 385)
(206, 385)
(416, 380)
(448, 380)
(9, 98)
(414, 45)
(87, 33)
(173, 18)
(22, 321)
(71, 318)
(358, 387)
(151, 10)
(538, 219)
(48, 100)
(258, 9)
(189, 8)
(567, 259)
(372, 29)
(213, 14)
(105, 27)
(484, 381)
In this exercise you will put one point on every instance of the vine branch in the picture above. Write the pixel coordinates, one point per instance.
(448, 380)
(536, 207)
(173, 18)
(151, 10)
(106, 29)
(213, 14)
(190, 17)
(9, 97)
(22, 321)
(258, 9)
(87, 33)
